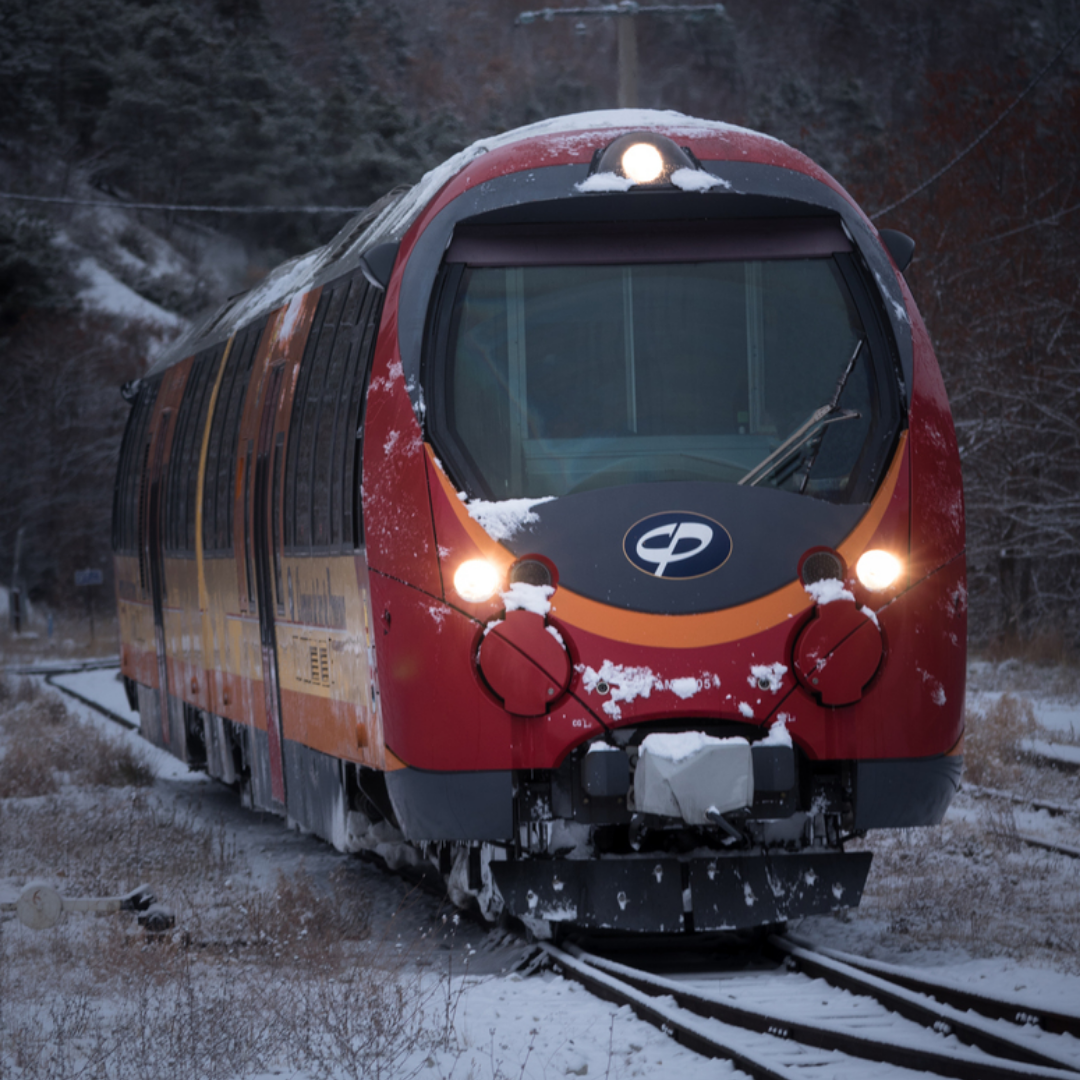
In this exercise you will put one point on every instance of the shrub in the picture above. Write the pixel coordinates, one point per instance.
(992, 740)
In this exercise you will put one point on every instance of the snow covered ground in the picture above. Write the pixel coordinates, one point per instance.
(286, 956)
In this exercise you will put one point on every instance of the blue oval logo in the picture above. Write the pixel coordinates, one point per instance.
(677, 545)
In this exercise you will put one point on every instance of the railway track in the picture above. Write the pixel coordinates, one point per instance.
(870, 1012)
(819, 1012)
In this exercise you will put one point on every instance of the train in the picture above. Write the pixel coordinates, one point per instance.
(582, 525)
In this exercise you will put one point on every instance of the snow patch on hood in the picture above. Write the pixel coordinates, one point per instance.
(767, 676)
(629, 683)
(503, 520)
(624, 683)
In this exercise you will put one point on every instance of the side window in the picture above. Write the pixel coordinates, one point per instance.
(224, 443)
(182, 483)
(321, 498)
(125, 523)
(369, 322)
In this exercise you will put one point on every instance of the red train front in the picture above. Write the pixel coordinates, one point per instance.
(660, 546)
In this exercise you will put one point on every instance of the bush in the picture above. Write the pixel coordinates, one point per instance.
(41, 743)
(992, 740)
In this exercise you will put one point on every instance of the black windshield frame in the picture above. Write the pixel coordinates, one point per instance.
(882, 369)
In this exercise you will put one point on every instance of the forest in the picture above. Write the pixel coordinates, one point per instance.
(179, 150)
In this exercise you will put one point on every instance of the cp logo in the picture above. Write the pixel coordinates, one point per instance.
(677, 545)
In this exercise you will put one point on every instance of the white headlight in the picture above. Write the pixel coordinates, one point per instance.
(642, 163)
(476, 580)
(877, 570)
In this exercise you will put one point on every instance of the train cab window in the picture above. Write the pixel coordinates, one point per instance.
(571, 363)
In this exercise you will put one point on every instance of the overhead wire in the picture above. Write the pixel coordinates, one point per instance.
(188, 208)
(967, 150)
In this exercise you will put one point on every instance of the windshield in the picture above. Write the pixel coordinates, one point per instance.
(567, 378)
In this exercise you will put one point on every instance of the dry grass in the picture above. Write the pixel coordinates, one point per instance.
(974, 883)
(279, 979)
(992, 741)
(166, 1011)
(1047, 648)
(44, 745)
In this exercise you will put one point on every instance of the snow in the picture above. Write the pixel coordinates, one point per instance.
(104, 687)
(778, 733)
(1058, 715)
(679, 745)
(898, 309)
(771, 675)
(104, 292)
(828, 591)
(524, 597)
(684, 688)
(506, 1024)
(605, 181)
(1063, 755)
(697, 180)
(573, 128)
(502, 520)
(625, 684)
(290, 277)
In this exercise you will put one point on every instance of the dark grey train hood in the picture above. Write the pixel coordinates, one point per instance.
(680, 547)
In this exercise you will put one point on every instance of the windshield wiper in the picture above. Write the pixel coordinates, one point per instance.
(829, 413)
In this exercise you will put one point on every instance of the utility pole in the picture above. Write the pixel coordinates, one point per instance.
(626, 11)
(15, 595)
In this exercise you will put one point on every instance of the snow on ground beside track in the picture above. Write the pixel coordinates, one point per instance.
(504, 1025)
(1017, 909)
(102, 686)
(1054, 692)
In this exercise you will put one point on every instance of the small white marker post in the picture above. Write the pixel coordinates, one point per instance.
(40, 905)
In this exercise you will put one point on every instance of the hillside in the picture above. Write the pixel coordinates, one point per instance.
(287, 104)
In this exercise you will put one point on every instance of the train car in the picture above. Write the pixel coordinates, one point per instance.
(583, 523)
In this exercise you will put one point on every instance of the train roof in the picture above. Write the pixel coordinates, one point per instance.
(552, 141)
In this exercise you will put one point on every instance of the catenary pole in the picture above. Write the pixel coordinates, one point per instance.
(626, 11)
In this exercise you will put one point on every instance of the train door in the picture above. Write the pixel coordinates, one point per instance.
(263, 554)
(151, 567)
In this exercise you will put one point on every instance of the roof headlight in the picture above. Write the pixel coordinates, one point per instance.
(476, 580)
(878, 570)
(642, 163)
(642, 157)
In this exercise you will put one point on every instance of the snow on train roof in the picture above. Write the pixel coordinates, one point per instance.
(390, 217)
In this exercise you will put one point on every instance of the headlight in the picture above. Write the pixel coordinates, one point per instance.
(642, 163)
(476, 580)
(877, 570)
